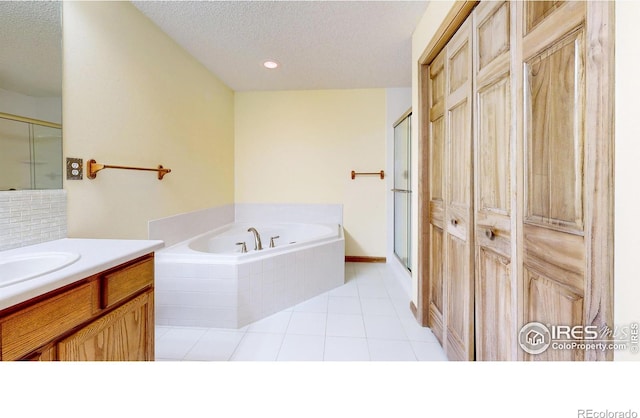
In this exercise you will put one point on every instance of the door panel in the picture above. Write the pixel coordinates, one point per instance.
(459, 184)
(436, 291)
(554, 98)
(437, 152)
(554, 249)
(458, 307)
(492, 33)
(436, 148)
(552, 303)
(496, 297)
(450, 201)
(494, 124)
(459, 65)
(458, 217)
(495, 306)
(536, 11)
(437, 77)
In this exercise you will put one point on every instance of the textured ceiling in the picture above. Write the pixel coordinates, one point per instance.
(31, 48)
(319, 44)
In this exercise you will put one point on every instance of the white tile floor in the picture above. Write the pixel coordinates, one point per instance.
(368, 318)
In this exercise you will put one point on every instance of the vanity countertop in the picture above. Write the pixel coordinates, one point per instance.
(96, 255)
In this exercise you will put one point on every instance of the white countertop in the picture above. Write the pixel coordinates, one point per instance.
(96, 255)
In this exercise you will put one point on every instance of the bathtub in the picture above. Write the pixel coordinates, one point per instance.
(207, 281)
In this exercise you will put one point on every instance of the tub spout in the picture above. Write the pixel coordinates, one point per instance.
(256, 236)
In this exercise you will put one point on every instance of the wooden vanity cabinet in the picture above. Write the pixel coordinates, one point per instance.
(123, 334)
(106, 317)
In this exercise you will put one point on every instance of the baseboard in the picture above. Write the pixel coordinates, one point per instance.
(414, 311)
(363, 259)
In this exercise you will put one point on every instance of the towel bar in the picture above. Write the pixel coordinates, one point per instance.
(354, 174)
(93, 167)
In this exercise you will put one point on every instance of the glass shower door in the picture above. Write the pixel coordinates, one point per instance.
(15, 155)
(402, 190)
(30, 154)
(47, 157)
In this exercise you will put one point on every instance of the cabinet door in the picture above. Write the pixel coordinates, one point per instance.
(496, 287)
(124, 334)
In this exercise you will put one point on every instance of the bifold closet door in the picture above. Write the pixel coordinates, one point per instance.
(565, 156)
(494, 134)
(458, 212)
(451, 217)
(436, 89)
(553, 61)
(436, 146)
(520, 178)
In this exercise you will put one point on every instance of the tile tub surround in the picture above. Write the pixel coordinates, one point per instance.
(30, 217)
(202, 294)
(177, 228)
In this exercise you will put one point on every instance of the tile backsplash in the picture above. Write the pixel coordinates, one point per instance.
(32, 216)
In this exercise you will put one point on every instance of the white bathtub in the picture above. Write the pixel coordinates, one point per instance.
(223, 241)
(207, 281)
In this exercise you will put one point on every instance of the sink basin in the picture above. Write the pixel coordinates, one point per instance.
(22, 267)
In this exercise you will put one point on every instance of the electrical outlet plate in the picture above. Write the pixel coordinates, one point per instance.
(74, 168)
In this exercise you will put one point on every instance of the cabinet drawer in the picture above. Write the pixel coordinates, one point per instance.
(122, 284)
(30, 328)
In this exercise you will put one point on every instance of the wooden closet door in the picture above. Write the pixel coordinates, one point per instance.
(562, 209)
(458, 221)
(528, 238)
(494, 134)
(553, 47)
(436, 147)
(450, 197)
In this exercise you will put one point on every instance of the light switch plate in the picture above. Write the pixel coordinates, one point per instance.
(74, 168)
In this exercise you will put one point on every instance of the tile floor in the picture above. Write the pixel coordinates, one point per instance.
(368, 318)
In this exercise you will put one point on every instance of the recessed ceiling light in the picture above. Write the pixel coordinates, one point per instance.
(270, 64)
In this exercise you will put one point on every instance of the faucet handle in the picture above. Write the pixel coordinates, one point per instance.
(243, 248)
(271, 243)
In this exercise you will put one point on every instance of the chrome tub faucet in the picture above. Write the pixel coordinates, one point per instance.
(256, 237)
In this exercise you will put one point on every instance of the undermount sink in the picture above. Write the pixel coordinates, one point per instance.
(22, 267)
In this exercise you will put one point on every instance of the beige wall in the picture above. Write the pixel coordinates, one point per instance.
(627, 169)
(300, 147)
(132, 96)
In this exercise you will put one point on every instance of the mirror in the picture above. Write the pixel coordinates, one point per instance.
(31, 95)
